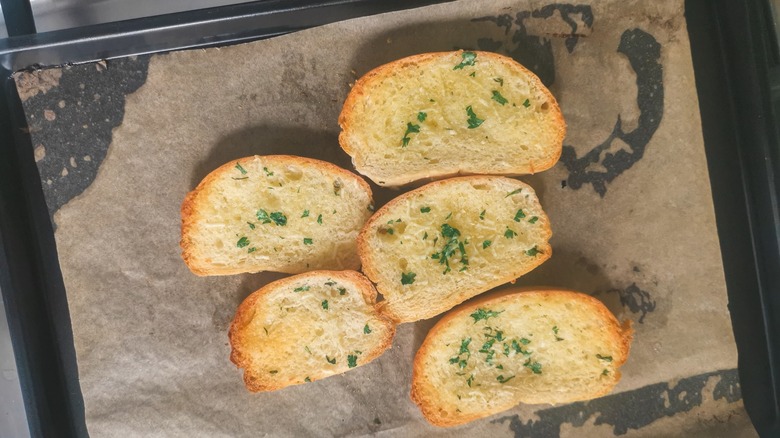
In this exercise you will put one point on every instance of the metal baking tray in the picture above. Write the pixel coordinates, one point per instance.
(735, 55)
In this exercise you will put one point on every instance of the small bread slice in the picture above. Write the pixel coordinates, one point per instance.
(274, 213)
(308, 327)
(543, 346)
(433, 248)
(440, 114)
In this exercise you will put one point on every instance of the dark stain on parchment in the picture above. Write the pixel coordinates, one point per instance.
(631, 409)
(636, 299)
(643, 53)
(71, 123)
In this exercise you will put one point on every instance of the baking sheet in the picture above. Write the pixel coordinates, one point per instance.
(120, 143)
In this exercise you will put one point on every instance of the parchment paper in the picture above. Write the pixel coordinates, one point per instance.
(629, 202)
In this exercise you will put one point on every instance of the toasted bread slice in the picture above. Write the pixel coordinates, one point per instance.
(274, 213)
(308, 327)
(442, 114)
(544, 346)
(432, 248)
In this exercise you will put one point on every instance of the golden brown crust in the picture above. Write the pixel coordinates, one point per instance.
(246, 311)
(369, 265)
(622, 335)
(190, 211)
(360, 89)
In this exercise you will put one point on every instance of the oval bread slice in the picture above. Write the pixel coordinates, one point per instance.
(442, 114)
(274, 213)
(308, 327)
(432, 248)
(546, 346)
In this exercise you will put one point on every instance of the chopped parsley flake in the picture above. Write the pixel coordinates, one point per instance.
(319, 219)
(453, 244)
(242, 242)
(473, 120)
(330, 283)
(535, 367)
(527, 103)
(307, 379)
(276, 217)
(352, 361)
(366, 329)
(499, 80)
(499, 98)
(267, 172)
(333, 361)
(407, 278)
(482, 215)
(411, 128)
(525, 341)
(421, 116)
(510, 234)
(473, 74)
(425, 236)
(502, 379)
(305, 213)
(425, 209)
(468, 58)
(470, 380)
(482, 314)
(342, 291)
(448, 216)
(486, 243)
(251, 225)
(240, 169)
(607, 358)
(308, 241)
(555, 329)
(605, 372)
(533, 252)
(325, 304)
(301, 289)
(464, 345)
(513, 192)
(519, 215)
(251, 250)
(533, 220)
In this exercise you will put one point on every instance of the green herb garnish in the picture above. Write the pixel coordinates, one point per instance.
(533, 220)
(486, 243)
(421, 116)
(605, 372)
(366, 329)
(513, 192)
(407, 278)
(308, 241)
(519, 215)
(267, 172)
(533, 252)
(473, 74)
(481, 314)
(525, 341)
(425, 236)
(352, 361)
(482, 215)
(240, 169)
(527, 103)
(410, 129)
(468, 58)
(342, 291)
(301, 289)
(470, 380)
(499, 80)
(607, 358)
(425, 209)
(499, 98)
(251, 250)
(305, 213)
(535, 367)
(325, 304)
(502, 379)
(242, 242)
(251, 225)
(333, 361)
(473, 120)
(319, 219)
(276, 217)
(307, 379)
(509, 233)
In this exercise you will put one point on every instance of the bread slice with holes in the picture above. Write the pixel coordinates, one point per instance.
(274, 213)
(532, 346)
(308, 327)
(433, 248)
(440, 114)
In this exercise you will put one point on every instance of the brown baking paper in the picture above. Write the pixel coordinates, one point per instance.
(629, 202)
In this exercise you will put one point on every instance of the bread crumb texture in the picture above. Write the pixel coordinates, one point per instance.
(432, 248)
(274, 213)
(530, 347)
(440, 114)
(308, 327)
